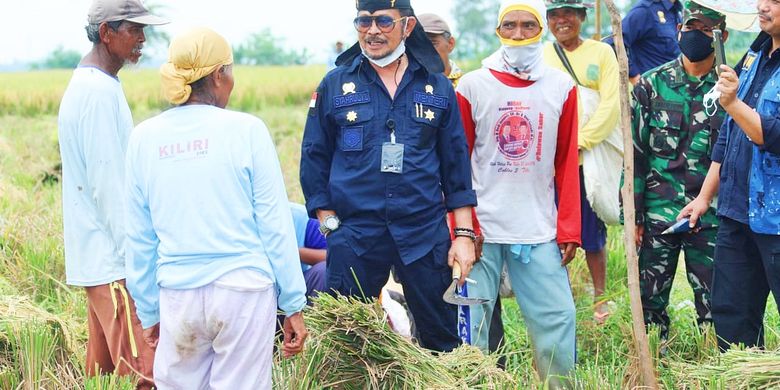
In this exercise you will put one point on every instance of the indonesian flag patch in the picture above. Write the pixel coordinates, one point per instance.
(313, 101)
(313, 104)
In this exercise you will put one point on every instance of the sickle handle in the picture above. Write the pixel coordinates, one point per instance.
(456, 270)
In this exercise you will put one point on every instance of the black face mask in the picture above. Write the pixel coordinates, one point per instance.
(695, 45)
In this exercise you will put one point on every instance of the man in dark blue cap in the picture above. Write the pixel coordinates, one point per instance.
(383, 158)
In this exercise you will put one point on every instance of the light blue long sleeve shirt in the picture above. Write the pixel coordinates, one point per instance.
(205, 196)
(94, 124)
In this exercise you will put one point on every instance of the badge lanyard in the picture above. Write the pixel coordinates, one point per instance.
(392, 152)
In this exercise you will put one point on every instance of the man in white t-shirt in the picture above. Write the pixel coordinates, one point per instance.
(94, 125)
(516, 184)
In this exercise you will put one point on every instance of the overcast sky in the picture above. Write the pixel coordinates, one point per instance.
(33, 28)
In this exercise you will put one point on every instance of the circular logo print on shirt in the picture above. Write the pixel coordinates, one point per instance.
(353, 139)
(514, 135)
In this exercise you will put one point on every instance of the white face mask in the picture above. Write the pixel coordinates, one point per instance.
(390, 58)
(524, 59)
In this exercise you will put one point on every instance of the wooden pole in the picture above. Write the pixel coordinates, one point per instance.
(646, 366)
(597, 35)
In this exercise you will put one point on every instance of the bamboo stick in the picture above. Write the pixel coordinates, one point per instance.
(597, 34)
(646, 367)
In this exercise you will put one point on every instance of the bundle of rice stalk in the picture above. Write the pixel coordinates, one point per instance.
(736, 369)
(352, 346)
(18, 310)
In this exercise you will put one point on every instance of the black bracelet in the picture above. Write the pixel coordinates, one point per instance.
(460, 229)
(464, 232)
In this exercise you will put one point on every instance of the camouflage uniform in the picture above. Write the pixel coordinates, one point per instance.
(673, 138)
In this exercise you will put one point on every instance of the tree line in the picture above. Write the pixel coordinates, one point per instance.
(475, 34)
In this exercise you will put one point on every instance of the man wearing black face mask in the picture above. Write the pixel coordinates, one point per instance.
(673, 138)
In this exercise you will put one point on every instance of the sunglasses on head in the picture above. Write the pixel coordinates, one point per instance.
(384, 23)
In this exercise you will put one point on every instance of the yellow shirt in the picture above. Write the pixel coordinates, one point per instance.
(596, 67)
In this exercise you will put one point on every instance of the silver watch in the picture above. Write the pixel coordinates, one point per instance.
(330, 224)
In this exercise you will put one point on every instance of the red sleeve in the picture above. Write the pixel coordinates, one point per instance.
(468, 121)
(567, 174)
(470, 128)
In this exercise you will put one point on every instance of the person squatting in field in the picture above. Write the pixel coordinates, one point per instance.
(206, 283)
(440, 35)
(383, 158)
(94, 124)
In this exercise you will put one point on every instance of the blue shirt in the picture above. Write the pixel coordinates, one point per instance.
(734, 150)
(205, 197)
(94, 125)
(350, 118)
(650, 34)
(307, 231)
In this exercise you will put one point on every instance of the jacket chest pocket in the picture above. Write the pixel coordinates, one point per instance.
(768, 197)
(771, 107)
(770, 163)
(354, 128)
(665, 133)
(426, 119)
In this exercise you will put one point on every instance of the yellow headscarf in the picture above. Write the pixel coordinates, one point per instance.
(534, 7)
(192, 56)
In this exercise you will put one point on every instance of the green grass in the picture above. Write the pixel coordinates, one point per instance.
(31, 250)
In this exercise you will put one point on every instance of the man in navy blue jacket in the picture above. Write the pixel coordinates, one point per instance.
(650, 35)
(384, 157)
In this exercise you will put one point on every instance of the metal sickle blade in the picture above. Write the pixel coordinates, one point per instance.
(452, 297)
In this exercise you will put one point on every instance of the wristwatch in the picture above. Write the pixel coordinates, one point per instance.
(330, 224)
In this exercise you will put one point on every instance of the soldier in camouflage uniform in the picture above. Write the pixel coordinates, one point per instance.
(673, 137)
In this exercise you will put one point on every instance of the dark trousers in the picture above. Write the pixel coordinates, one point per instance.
(424, 282)
(746, 269)
(496, 333)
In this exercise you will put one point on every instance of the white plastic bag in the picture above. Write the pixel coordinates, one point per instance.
(602, 166)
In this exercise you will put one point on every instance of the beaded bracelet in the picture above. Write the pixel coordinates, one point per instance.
(465, 232)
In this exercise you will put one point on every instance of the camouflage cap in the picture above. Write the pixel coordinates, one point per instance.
(576, 4)
(708, 16)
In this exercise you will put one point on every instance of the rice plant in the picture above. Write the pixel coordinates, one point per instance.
(32, 264)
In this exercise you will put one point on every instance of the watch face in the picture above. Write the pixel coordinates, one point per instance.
(332, 223)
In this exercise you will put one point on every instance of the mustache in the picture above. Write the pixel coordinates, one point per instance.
(375, 40)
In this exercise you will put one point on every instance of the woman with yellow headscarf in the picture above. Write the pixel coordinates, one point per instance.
(210, 235)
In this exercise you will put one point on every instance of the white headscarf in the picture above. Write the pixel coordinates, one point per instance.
(524, 58)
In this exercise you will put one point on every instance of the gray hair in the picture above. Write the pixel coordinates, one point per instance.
(93, 30)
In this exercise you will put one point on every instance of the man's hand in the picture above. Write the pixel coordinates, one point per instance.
(568, 250)
(294, 335)
(694, 211)
(638, 234)
(152, 335)
(728, 82)
(462, 251)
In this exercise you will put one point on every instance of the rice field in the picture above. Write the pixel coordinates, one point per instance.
(43, 321)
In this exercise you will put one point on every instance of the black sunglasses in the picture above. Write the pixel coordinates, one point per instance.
(384, 23)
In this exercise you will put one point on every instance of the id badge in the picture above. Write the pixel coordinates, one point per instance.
(392, 157)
